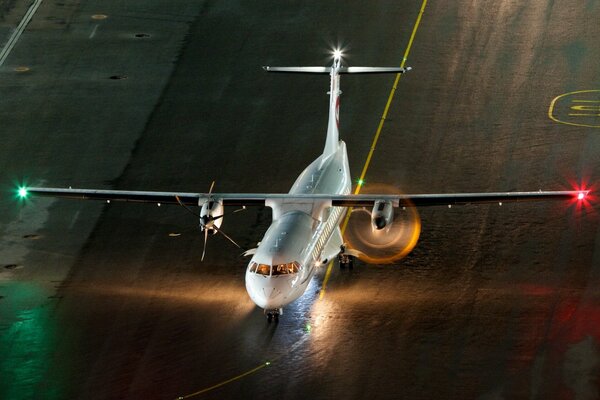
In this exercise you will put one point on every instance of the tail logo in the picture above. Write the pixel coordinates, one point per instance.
(337, 112)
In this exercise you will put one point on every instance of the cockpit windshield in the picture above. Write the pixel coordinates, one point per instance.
(290, 268)
(278, 269)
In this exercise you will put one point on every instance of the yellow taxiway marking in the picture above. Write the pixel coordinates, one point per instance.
(376, 138)
(292, 349)
(235, 378)
(590, 108)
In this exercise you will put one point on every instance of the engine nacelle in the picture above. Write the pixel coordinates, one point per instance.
(211, 215)
(382, 215)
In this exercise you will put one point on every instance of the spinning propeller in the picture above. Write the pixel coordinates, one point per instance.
(382, 235)
(210, 217)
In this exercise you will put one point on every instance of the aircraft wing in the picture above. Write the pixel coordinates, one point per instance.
(349, 200)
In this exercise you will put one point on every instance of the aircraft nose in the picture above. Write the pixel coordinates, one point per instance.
(265, 292)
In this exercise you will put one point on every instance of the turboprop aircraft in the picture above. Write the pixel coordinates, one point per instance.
(305, 231)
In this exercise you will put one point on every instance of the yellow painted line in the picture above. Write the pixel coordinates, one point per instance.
(551, 109)
(376, 138)
(292, 349)
(235, 378)
(326, 279)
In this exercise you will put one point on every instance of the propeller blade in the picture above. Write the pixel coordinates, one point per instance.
(186, 207)
(204, 248)
(230, 239)
(212, 185)
(222, 215)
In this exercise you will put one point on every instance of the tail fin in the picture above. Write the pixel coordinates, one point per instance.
(332, 141)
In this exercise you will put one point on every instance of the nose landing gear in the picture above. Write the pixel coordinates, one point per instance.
(346, 260)
(273, 315)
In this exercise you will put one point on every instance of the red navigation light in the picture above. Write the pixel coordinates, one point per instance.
(584, 194)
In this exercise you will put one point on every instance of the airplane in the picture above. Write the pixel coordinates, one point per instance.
(305, 230)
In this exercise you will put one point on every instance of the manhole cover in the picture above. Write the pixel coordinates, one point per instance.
(142, 35)
(32, 237)
(118, 77)
(12, 266)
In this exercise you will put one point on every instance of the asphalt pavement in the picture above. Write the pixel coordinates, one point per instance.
(111, 301)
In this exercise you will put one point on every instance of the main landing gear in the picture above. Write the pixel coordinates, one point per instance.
(273, 315)
(346, 260)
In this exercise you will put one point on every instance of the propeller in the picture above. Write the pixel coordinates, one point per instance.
(210, 223)
(386, 245)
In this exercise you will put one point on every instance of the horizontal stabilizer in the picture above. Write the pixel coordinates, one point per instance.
(373, 70)
(340, 70)
(299, 70)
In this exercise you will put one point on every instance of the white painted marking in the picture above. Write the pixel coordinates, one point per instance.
(74, 220)
(94, 31)
(17, 33)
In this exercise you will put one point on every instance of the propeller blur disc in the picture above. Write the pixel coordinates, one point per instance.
(389, 244)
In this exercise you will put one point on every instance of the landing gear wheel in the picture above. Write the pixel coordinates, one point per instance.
(273, 315)
(345, 260)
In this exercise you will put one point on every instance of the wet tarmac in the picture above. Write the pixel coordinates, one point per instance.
(111, 301)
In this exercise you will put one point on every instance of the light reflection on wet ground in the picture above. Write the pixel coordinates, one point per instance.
(27, 342)
(492, 303)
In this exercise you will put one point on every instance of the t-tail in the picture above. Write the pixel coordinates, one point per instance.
(331, 143)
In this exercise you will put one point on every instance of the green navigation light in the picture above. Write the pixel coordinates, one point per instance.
(22, 192)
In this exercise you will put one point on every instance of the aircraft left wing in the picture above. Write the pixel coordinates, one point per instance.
(349, 200)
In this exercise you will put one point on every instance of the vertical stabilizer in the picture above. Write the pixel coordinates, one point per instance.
(333, 125)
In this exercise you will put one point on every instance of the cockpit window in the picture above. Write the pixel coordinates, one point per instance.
(290, 268)
(279, 269)
(263, 269)
(253, 266)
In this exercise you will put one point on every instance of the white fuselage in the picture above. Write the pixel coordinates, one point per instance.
(295, 243)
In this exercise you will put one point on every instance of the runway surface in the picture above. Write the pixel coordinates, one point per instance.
(99, 301)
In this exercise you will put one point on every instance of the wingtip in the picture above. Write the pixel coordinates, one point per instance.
(582, 194)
